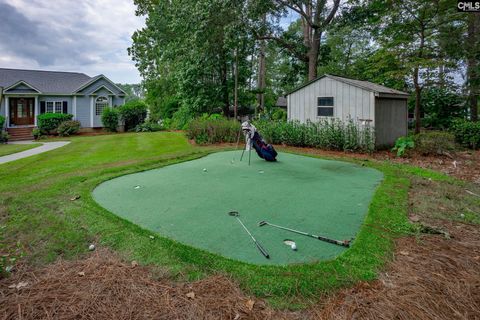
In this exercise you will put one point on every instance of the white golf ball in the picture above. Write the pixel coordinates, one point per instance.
(294, 247)
(91, 247)
(204, 169)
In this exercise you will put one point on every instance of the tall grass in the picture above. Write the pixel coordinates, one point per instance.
(325, 134)
(213, 129)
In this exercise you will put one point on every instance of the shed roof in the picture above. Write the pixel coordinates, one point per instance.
(367, 85)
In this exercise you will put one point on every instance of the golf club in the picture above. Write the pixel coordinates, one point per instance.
(343, 243)
(260, 248)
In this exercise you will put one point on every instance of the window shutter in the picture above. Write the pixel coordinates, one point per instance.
(65, 106)
(42, 107)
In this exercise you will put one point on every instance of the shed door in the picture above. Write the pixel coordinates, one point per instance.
(390, 121)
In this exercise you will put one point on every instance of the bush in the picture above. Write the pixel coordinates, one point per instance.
(2, 122)
(4, 137)
(132, 114)
(48, 122)
(325, 134)
(434, 143)
(181, 118)
(467, 133)
(402, 145)
(110, 119)
(279, 114)
(36, 133)
(149, 127)
(213, 129)
(67, 128)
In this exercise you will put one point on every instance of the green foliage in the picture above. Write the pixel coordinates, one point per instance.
(49, 122)
(37, 133)
(467, 133)
(325, 134)
(279, 114)
(2, 122)
(434, 143)
(402, 145)
(68, 128)
(132, 114)
(181, 118)
(441, 107)
(213, 129)
(133, 91)
(110, 119)
(4, 137)
(149, 126)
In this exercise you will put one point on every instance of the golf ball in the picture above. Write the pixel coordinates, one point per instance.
(294, 247)
(91, 247)
(204, 169)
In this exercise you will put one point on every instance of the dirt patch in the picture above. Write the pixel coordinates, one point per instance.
(104, 287)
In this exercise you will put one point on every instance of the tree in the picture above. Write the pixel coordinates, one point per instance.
(473, 67)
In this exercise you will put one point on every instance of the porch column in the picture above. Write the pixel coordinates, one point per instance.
(91, 111)
(36, 111)
(7, 111)
(74, 108)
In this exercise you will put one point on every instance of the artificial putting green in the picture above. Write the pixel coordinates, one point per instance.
(189, 202)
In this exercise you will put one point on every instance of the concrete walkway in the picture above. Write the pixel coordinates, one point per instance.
(47, 146)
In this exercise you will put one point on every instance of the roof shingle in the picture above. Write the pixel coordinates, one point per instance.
(45, 81)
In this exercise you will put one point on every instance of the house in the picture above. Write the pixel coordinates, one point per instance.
(364, 102)
(281, 103)
(24, 94)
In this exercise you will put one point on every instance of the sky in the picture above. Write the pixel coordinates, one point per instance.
(89, 36)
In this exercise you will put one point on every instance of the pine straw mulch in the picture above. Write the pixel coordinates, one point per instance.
(102, 286)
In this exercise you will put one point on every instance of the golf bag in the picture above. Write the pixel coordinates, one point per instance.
(255, 140)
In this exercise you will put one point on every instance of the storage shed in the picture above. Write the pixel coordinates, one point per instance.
(364, 102)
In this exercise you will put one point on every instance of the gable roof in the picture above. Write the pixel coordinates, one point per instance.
(366, 85)
(21, 82)
(100, 76)
(45, 81)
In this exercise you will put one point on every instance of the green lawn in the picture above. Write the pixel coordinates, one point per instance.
(39, 222)
(6, 149)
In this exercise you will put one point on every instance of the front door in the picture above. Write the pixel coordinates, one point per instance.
(22, 111)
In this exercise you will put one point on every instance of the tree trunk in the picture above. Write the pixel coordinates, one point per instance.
(235, 103)
(472, 64)
(418, 102)
(313, 54)
(224, 84)
(261, 84)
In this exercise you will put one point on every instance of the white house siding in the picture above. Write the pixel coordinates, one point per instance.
(350, 102)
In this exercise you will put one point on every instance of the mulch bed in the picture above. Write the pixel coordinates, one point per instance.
(102, 286)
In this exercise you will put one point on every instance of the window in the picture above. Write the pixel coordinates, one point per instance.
(100, 104)
(54, 107)
(325, 106)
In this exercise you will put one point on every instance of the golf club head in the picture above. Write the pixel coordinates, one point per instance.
(262, 223)
(233, 213)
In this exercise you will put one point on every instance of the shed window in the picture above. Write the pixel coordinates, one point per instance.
(100, 104)
(325, 106)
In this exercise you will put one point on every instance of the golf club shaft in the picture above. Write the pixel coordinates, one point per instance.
(337, 242)
(259, 247)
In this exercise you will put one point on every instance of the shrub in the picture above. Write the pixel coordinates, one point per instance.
(4, 137)
(67, 128)
(434, 143)
(48, 122)
(181, 118)
(133, 113)
(402, 145)
(279, 114)
(37, 134)
(213, 129)
(110, 119)
(2, 122)
(467, 133)
(148, 127)
(325, 134)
